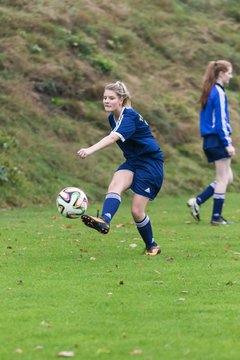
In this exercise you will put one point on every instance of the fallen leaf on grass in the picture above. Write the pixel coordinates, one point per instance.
(236, 253)
(103, 351)
(133, 246)
(170, 259)
(83, 250)
(66, 354)
(45, 324)
(136, 352)
(39, 347)
(19, 351)
(69, 226)
(120, 225)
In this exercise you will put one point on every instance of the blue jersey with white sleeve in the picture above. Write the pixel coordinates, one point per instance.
(214, 118)
(136, 139)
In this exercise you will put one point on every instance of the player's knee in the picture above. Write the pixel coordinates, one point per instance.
(137, 213)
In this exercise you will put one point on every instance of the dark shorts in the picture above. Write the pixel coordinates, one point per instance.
(214, 149)
(148, 176)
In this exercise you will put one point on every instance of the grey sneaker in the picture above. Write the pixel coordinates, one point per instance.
(220, 221)
(194, 208)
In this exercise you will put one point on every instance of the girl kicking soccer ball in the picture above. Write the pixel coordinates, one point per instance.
(142, 172)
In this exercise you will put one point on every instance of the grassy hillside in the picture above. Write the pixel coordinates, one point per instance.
(55, 58)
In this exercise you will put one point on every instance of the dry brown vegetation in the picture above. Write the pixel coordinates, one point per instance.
(55, 58)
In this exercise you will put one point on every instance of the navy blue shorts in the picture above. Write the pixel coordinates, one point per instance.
(214, 149)
(148, 176)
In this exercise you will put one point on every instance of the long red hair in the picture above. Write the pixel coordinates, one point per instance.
(210, 77)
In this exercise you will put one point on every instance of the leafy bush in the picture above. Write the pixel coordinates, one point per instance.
(103, 64)
(85, 45)
(47, 86)
(233, 10)
(3, 174)
(36, 49)
(8, 142)
(9, 173)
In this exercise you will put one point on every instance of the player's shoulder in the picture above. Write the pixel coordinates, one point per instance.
(217, 90)
(130, 111)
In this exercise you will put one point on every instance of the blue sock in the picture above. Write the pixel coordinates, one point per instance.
(218, 201)
(110, 206)
(206, 194)
(145, 230)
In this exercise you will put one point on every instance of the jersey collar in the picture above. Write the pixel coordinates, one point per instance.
(120, 116)
(220, 86)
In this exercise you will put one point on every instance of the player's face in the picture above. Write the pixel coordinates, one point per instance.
(112, 102)
(226, 76)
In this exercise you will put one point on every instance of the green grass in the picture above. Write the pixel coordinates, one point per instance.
(67, 288)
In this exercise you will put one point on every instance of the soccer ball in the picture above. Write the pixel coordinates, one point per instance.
(72, 202)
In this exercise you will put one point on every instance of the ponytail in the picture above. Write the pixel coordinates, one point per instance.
(210, 77)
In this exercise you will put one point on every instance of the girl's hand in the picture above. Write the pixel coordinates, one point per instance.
(104, 142)
(83, 153)
(231, 150)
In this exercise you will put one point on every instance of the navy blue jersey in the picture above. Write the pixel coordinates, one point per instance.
(214, 118)
(136, 139)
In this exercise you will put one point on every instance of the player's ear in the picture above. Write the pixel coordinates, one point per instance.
(221, 74)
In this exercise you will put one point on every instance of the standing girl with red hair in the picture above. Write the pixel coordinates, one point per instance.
(216, 132)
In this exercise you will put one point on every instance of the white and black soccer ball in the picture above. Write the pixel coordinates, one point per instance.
(72, 202)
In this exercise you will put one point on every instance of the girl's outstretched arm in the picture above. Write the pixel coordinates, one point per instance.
(104, 142)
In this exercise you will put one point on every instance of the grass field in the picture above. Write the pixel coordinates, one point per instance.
(65, 288)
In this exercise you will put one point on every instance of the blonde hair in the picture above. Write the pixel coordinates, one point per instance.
(121, 90)
(210, 77)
